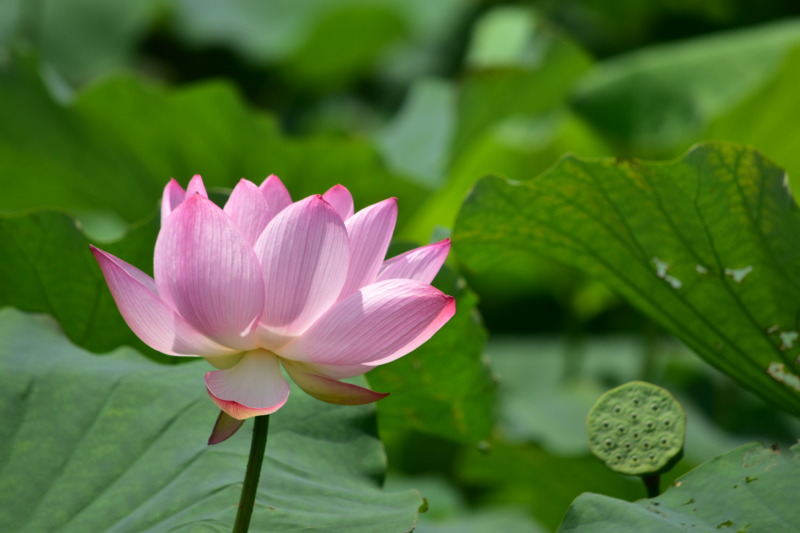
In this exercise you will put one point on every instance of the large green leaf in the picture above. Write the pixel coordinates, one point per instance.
(708, 246)
(752, 489)
(118, 443)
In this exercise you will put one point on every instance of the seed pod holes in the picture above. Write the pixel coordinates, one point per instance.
(637, 429)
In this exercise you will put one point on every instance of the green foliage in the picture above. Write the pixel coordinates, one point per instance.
(749, 489)
(118, 443)
(92, 156)
(656, 100)
(414, 99)
(47, 268)
(707, 246)
(637, 429)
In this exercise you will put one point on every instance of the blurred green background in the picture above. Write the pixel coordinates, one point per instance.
(102, 101)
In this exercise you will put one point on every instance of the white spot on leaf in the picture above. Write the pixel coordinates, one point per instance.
(787, 339)
(701, 269)
(777, 371)
(661, 272)
(738, 274)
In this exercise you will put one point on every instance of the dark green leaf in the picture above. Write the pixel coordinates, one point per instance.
(708, 246)
(47, 268)
(114, 149)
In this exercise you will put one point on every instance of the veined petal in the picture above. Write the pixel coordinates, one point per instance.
(255, 386)
(196, 187)
(172, 198)
(275, 193)
(370, 231)
(305, 254)
(328, 389)
(150, 318)
(341, 200)
(248, 210)
(210, 273)
(374, 325)
(334, 371)
(421, 264)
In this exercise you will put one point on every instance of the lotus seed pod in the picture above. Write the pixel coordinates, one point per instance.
(637, 429)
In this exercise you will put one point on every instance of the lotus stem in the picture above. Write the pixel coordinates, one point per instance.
(257, 447)
(652, 483)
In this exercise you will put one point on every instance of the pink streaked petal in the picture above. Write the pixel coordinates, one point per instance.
(196, 187)
(276, 195)
(172, 197)
(210, 273)
(224, 428)
(334, 371)
(370, 231)
(248, 210)
(421, 264)
(305, 254)
(255, 386)
(378, 323)
(150, 318)
(341, 200)
(330, 390)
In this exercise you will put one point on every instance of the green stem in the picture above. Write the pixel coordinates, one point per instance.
(248, 498)
(652, 483)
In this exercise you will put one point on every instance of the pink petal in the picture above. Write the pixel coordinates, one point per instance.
(255, 386)
(276, 195)
(421, 264)
(374, 325)
(196, 187)
(172, 197)
(150, 318)
(370, 231)
(341, 200)
(248, 210)
(224, 428)
(330, 390)
(305, 254)
(210, 273)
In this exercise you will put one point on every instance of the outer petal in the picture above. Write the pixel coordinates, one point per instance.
(224, 428)
(196, 187)
(374, 325)
(255, 386)
(275, 193)
(305, 254)
(330, 390)
(210, 273)
(421, 264)
(370, 231)
(341, 200)
(248, 209)
(153, 321)
(172, 197)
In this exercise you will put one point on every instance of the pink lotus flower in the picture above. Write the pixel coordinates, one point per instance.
(265, 282)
